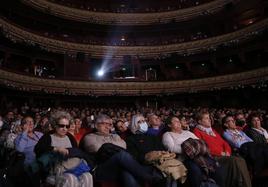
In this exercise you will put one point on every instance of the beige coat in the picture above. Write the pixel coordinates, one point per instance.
(167, 163)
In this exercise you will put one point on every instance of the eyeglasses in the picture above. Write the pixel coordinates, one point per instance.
(62, 126)
(105, 123)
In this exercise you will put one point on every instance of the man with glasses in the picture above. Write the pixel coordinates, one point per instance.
(255, 154)
(120, 166)
(92, 142)
(27, 139)
(235, 169)
(156, 127)
(235, 137)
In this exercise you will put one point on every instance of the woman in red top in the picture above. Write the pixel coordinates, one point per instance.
(77, 131)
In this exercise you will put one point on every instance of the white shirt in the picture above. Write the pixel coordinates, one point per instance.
(263, 132)
(172, 141)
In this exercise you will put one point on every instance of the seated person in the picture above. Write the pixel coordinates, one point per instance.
(156, 127)
(26, 141)
(254, 153)
(121, 129)
(184, 123)
(43, 126)
(236, 172)
(241, 122)
(255, 131)
(119, 167)
(59, 146)
(77, 131)
(198, 171)
(173, 139)
(80, 131)
(232, 134)
(139, 144)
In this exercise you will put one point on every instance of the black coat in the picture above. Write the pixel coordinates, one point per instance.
(256, 136)
(44, 144)
(140, 144)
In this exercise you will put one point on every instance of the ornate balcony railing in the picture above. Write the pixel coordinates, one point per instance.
(127, 18)
(133, 7)
(16, 33)
(231, 81)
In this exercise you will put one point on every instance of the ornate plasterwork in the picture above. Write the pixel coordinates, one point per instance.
(126, 18)
(16, 33)
(31, 83)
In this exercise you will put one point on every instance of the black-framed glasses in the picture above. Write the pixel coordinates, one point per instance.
(105, 123)
(62, 126)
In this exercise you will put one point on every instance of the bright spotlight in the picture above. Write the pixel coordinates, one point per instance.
(100, 73)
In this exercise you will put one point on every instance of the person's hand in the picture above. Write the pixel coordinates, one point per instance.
(225, 154)
(26, 128)
(61, 150)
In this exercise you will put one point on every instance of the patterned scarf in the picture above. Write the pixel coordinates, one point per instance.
(198, 151)
(208, 130)
(236, 135)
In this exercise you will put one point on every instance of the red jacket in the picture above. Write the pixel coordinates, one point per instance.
(215, 144)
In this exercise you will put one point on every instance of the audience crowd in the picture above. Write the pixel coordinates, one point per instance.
(167, 147)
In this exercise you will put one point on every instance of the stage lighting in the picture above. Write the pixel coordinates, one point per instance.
(100, 73)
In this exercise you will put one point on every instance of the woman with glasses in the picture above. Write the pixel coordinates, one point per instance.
(26, 140)
(59, 148)
(58, 141)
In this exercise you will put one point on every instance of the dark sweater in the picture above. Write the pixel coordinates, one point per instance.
(139, 144)
(44, 144)
(256, 136)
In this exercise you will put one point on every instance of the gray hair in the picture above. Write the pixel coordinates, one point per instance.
(101, 118)
(57, 116)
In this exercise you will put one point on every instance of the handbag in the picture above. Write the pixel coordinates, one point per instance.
(107, 150)
(75, 166)
(78, 170)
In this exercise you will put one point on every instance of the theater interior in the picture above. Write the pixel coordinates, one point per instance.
(126, 57)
